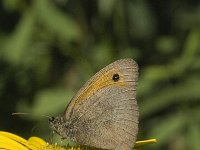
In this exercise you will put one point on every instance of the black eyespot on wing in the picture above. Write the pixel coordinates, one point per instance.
(51, 119)
(115, 77)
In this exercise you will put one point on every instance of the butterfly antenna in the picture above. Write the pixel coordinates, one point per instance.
(19, 113)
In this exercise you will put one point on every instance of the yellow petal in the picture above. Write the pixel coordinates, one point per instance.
(8, 143)
(144, 142)
(18, 141)
(37, 141)
(12, 136)
(11, 141)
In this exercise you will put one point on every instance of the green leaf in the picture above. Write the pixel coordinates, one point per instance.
(164, 98)
(166, 129)
(16, 46)
(55, 21)
(48, 102)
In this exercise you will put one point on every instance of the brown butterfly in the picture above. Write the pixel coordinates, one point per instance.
(104, 113)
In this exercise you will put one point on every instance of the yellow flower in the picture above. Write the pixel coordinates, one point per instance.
(10, 141)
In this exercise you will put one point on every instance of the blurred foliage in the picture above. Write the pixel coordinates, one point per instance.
(49, 48)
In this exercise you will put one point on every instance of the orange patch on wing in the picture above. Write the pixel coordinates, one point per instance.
(104, 80)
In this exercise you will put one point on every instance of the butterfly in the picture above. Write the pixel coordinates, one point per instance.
(104, 112)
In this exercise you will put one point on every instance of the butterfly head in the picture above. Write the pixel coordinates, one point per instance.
(57, 124)
(62, 127)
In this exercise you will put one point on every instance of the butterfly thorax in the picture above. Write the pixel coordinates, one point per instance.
(63, 127)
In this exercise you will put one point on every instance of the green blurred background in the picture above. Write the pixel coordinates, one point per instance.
(49, 48)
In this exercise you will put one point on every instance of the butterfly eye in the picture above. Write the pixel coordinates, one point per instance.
(51, 119)
(115, 77)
